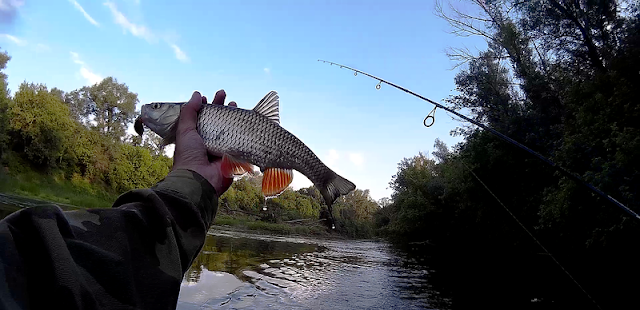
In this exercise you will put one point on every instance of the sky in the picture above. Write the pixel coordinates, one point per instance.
(165, 50)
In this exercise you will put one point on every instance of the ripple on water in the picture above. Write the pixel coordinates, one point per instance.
(301, 273)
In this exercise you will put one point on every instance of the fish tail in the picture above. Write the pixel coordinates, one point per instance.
(334, 186)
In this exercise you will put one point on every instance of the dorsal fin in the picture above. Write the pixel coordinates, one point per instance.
(269, 106)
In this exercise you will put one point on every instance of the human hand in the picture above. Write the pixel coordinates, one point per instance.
(190, 151)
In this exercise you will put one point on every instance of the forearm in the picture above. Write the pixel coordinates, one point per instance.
(133, 254)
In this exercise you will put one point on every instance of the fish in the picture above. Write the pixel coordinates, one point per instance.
(246, 138)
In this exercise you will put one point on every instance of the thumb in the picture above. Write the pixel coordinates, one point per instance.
(189, 112)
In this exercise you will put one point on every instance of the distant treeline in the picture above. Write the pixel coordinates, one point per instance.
(353, 213)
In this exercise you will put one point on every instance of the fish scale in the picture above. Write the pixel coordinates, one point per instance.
(258, 140)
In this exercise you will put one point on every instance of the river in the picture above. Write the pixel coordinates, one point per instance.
(238, 270)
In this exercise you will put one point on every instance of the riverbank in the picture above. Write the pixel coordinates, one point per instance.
(55, 188)
(28, 189)
(246, 224)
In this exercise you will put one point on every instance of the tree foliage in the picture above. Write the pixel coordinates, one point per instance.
(107, 106)
(77, 134)
(5, 98)
(40, 123)
(562, 78)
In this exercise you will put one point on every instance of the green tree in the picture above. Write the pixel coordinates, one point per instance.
(107, 106)
(242, 195)
(354, 214)
(5, 98)
(134, 167)
(41, 124)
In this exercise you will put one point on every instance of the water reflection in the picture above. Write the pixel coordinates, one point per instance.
(237, 270)
(235, 254)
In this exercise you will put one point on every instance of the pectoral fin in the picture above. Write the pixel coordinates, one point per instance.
(233, 167)
(275, 181)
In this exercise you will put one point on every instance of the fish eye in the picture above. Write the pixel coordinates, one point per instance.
(155, 105)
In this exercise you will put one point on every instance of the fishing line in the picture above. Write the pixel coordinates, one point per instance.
(498, 134)
(533, 237)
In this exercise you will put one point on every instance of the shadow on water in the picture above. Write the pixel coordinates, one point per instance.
(489, 278)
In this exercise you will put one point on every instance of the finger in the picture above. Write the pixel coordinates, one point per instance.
(204, 99)
(220, 97)
(225, 182)
(188, 114)
(233, 104)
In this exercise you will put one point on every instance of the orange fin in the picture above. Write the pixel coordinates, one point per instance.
(233, 167)
(275, 181)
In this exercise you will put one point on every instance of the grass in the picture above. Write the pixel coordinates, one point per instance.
(274, 228)
(81, 193)
(23, 181)
(77, 192)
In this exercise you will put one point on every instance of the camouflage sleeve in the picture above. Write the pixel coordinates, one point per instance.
(131, 256)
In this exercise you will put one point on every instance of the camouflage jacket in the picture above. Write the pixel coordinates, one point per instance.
(131, 256)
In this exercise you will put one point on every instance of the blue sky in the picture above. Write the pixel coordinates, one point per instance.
(164, 50)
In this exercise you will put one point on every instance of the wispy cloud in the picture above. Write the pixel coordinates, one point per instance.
(299, 180)
(13, 39)
(180, 55)
(137, 30)
(332, 158)
(143, 32)
(42, 47)
(76, 58)
(9, 10)
(88, 75)
(81, 9)
(267, 70)
(357, 159)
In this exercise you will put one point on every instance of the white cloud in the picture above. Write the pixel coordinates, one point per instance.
(42, 47)
(267, 70)
(88, 75)
(13, 39)
(9, 11)
(136, 30)
(357, 159)
(332, 158)
(180, 55)
(141, 31)
(76, 58)
(299, 181)
(86, 15)
(8, 5)
(91, 77)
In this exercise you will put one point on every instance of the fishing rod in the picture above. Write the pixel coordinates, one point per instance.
(431, 117)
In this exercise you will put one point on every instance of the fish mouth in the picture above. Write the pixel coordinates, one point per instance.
(137, 125)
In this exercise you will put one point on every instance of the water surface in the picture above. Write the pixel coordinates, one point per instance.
(246, 271)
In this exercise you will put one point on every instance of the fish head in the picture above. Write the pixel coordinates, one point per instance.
(161, 118)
